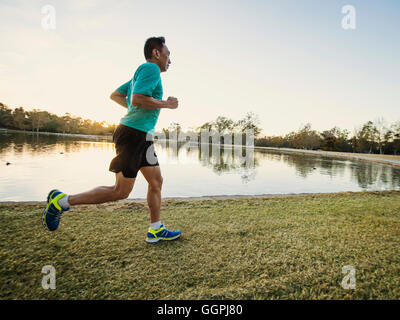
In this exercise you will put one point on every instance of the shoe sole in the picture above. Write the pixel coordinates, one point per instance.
(162, 239)
(46, 209)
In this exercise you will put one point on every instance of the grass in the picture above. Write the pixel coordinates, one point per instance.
(282, 247)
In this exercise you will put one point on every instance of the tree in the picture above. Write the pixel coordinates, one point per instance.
(365, 137)
(52, 124)
(6, 117)
(223, 124)
(166, 132)
(249, 122)
(335, 140)
(87, 126)
(395, 129)
(208, 126)
(37, 119)
(66, 123)
(306, 138)
(381, 133)
(19, 117)
(174, 129)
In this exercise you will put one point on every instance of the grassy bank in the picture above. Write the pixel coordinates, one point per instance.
(285, 247)
(393, 160)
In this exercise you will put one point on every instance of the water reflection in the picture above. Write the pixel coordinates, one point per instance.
(222, 160)
(36, 144)
(209, 167)
(368, 175)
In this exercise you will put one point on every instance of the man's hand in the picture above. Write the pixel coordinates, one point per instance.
(172, 102)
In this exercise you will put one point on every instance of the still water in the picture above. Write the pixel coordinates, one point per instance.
(39, 163)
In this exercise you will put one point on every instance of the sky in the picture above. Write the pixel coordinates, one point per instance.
(290, 62)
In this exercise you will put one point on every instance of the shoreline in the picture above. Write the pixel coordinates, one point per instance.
(231, 197)
(78, 135)
(377, 158)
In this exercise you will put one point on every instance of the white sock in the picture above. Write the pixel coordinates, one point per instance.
(155, 225)
(63, 202)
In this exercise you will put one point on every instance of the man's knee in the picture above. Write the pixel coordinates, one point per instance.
(156, 184)
(122, 193)
(123, 187)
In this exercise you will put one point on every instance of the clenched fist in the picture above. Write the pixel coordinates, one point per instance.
(172, 102)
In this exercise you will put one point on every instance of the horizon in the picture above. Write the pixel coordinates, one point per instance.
(289, 63)
(386, 125)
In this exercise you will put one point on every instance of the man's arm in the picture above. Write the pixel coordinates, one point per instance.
(147, 79)
(147, 102)
(119, 98)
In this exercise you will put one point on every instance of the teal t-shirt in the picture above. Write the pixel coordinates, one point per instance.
(146, 81)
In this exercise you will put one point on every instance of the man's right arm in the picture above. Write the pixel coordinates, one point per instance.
(119, 95)
(147, 102)
(119, 98)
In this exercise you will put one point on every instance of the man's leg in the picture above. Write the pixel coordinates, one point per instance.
(157, 230)
(121, 190)
(153, 176)
(59, 202)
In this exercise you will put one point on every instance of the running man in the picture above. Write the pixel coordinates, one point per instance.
(133, 139)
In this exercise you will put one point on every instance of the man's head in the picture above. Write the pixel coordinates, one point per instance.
(157, 52)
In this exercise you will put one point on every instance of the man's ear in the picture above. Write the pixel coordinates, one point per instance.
(156, 53)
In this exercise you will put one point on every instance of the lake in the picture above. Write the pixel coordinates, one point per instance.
(39, 163)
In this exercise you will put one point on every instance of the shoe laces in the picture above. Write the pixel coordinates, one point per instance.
(57, 216)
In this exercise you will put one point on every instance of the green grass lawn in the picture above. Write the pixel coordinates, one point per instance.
(284, 247)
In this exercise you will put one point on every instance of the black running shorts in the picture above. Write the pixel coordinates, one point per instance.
(133, 151)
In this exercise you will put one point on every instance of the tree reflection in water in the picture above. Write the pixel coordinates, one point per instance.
(221, 160)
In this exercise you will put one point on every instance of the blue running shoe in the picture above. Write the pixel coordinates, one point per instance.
(161, 234)
(52, 214)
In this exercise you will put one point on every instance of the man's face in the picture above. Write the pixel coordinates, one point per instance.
(163, 59)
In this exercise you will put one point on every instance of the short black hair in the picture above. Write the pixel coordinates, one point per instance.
(153, 43)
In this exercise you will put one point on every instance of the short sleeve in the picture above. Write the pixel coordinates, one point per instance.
(124, 88)
(147, 79)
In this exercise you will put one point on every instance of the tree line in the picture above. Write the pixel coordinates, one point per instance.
(372, 137)
(43, 121)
